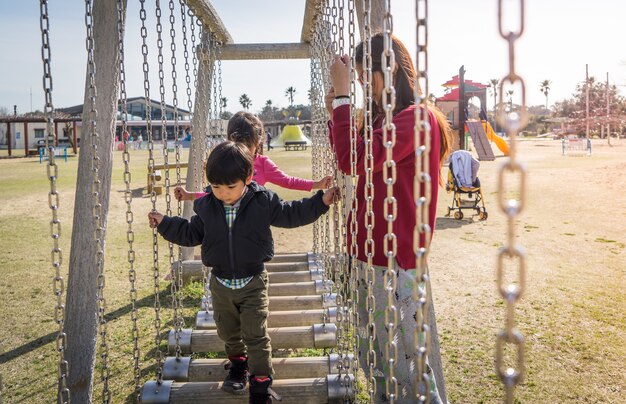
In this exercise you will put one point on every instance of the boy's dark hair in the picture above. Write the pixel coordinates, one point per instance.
(245, 128)
(228, 163)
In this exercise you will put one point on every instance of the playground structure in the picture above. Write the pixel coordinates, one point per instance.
(316, 285)
(455, 105)
(291, 136)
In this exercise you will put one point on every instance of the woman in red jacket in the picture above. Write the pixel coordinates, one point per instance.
(337, 103)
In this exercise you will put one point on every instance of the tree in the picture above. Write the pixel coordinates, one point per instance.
(245, 101)
(509, 93)
(493, 84)
(289, 93)
(545, 89)
(575, 107)
(223, 102)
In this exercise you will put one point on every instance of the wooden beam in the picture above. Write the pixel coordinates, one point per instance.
(203, 9)
(310, 11)
(255, 51)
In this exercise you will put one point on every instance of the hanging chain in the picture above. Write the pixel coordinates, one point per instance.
(388, 62)
(354, 203)
(183, 19)
(219, 86)
(128, 198)
(315, 91)
(52, 172)
(512, 122)
(168, 196)
(97, 207)
(422, 196)
(369, 197)
(153, 197)
(176, 272)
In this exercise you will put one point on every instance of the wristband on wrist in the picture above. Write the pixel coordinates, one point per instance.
(337, 102)
(342, 96)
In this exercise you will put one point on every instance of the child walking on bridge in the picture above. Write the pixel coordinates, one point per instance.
(232, 223)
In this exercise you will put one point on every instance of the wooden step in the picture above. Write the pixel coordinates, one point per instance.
(281, 303)
(329, 389)
(286, 318)
(315, 336)
(193, 270)
(186, 369)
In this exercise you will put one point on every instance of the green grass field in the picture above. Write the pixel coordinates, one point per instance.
(572, 313)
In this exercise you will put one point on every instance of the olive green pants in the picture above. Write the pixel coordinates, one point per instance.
(241, 319)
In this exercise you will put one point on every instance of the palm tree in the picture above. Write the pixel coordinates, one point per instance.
(289, 93)
(493, 83)
(545, 89)
(268, 104)
(509, 94)
(245, 101)
(223, 102)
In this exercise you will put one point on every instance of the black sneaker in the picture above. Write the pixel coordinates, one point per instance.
(237, 379)
(261, 391)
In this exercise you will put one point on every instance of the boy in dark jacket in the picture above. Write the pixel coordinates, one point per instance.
(232, 224)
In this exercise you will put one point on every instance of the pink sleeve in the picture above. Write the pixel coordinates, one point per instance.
(275, 175)
(199, 195)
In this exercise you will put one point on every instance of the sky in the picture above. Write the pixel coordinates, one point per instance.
(560, 37)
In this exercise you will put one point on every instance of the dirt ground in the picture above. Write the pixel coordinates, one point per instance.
(573, 230)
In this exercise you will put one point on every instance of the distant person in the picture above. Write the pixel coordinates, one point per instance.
(236, 250)
(187, 135)
(247, 129)
(139, 141)
(588, 146)
(269, 140)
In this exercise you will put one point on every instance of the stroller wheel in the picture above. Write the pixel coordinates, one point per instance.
(483, 215)
(458, 215)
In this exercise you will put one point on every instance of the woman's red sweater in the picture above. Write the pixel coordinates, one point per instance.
(404, 156)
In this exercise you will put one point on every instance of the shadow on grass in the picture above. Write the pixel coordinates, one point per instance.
(147, 301)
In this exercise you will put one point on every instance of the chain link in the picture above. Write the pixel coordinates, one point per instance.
(422, 195)
(354, 203)
(388, 62)
(513, 122)
(97, 207)
(52, 170)
(370, 303)
(128, 197)
(153, 197)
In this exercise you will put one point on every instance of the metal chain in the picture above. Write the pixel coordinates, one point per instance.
(183, 19)
(153, 197)
(422, 195)
(369, 197)
(177, 277)
(52, 172)
(97, 207)
(512, 122)
(388, 62)
(219, 85)
(353, 249)
(315, 90)
(168, 196)
(128, 198)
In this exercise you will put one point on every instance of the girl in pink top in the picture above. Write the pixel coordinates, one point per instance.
(247, 128)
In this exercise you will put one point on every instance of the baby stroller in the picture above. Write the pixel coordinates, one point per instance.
(465, 185)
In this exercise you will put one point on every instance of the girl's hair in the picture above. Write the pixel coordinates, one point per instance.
(247, 129)
(228, 163)
(404, 81)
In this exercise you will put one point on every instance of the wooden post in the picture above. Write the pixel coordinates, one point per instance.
(9, 137)
(26, 139)
(199, 130)
(75, 138)
(82, 286)
(462, 104)
(56, 134)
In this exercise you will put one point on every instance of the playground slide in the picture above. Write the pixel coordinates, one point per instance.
(491, 135)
